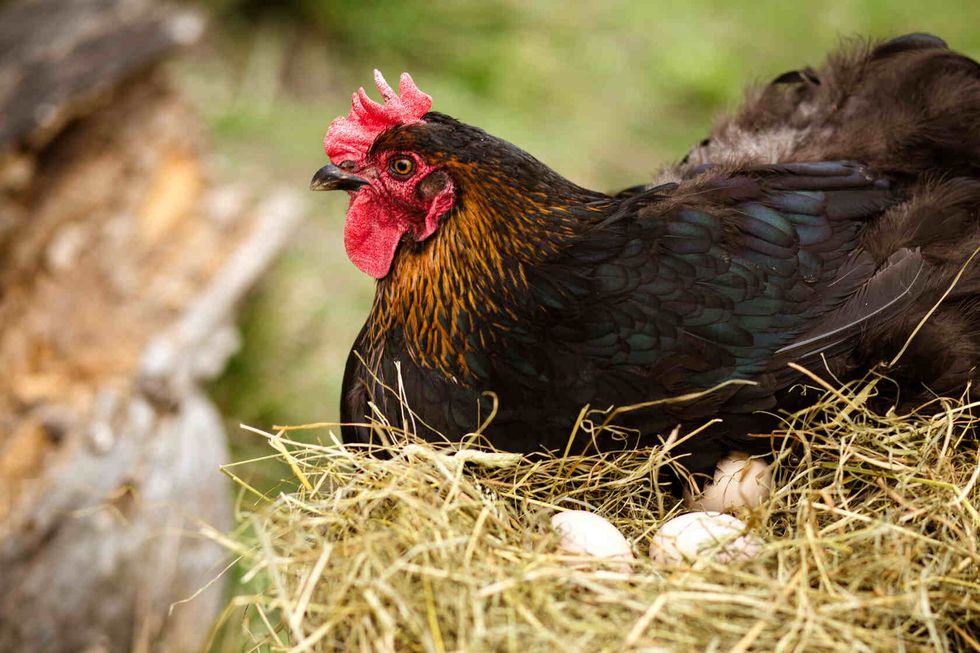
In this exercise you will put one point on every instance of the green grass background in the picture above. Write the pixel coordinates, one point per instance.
(604, 92)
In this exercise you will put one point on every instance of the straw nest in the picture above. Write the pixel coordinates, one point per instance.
(871, 544)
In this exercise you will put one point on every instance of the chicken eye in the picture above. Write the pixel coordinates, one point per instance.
(401, 166)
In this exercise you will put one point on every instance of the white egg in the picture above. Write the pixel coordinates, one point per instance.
(739, 481)
(589, 534)
(697, 535)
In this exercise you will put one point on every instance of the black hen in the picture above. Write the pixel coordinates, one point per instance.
(818, 226)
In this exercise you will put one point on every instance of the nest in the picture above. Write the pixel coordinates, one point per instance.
(871, 544)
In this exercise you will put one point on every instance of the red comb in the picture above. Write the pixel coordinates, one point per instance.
(351, 137)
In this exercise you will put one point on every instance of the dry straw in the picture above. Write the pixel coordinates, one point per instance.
(871, 545)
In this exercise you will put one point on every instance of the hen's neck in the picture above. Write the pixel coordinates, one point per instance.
(461, 289)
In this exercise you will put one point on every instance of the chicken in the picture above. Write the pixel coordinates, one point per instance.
(817, 225)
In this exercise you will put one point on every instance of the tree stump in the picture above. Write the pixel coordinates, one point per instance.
(121, 264)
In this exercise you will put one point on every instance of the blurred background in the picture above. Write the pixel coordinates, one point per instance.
(603, 92)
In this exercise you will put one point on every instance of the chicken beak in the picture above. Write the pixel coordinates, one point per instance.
(330, 177)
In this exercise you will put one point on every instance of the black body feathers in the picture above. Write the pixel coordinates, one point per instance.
(817, 225)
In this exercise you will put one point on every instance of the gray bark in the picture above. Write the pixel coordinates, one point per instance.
(121, 265)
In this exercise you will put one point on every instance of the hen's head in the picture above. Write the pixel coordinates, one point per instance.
(385, 157)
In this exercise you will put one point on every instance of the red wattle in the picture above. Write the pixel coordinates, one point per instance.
(371, 235)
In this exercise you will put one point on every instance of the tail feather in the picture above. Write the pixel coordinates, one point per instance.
(909, 109)
(904, 107)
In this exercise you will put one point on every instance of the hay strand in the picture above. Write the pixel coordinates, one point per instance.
(872, 544)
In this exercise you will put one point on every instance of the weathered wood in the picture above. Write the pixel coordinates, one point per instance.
(120, 268)
(55, 56)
